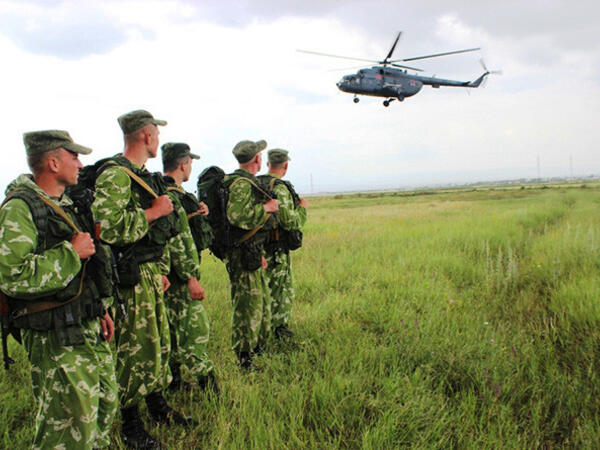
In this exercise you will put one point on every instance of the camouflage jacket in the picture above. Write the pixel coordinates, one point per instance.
(181, 255)
(120, 225)
(289, 218)
(242, 209)
(23, 272)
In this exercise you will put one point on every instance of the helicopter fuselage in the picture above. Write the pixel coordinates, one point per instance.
(380, 81)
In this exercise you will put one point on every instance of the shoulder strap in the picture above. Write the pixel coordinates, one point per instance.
(52, 204)
(132, 175)
(139, 181)
(61, 212)
(252, 183)
(176, 189)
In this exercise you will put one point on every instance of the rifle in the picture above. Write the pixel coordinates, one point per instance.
(4, 316)
(115, 273)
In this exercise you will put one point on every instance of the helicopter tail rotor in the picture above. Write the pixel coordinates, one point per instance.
(482, 80)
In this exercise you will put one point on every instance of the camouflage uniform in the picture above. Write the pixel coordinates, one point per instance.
(143, 342)
(250, 296)
(74, 385)
(279, 268)
(188, 320)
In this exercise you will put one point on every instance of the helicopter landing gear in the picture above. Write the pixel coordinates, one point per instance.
(387, 102)
(356, 99)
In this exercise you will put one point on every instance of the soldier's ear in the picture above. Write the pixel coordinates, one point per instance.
(52, 162)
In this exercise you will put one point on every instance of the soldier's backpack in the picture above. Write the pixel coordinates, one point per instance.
(212, 192)
(282, 240)
(149, 248)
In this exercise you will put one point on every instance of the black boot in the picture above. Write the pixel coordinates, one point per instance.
(283, 332)
(133, 433)
(209, 382)
(177, 382)
(161, 412)
(245, 360)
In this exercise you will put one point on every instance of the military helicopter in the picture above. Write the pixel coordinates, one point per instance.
(397, 84)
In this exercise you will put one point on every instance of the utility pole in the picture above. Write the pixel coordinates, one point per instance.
(571, 165)
(311, 184)
(538, 167)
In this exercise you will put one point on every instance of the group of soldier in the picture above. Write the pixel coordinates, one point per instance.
(122, 258)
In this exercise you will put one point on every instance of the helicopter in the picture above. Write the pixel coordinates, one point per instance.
(395, 83)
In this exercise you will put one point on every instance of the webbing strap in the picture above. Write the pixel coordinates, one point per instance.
(176, 189)
(256, 229)
(252, 183)
(61, 212)
(193, 214)
(139, 181)
(52, 204)
(45, 306)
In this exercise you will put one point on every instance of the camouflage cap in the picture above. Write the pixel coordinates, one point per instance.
(278, 156)
(175, 150)
(37, 142)
(134, 120)
(244, 151)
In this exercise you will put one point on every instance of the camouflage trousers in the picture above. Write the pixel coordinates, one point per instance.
(74, 387)
(143, 342)
(281, 283)
(189, 327)
(251, 323)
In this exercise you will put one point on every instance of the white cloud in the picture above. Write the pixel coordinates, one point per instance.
(217, 84)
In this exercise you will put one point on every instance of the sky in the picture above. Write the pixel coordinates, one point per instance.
(223, 71)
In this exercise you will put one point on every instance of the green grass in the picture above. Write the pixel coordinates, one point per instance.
(444, 319)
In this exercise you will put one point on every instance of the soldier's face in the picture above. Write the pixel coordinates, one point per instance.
(153, 133)
(67, 167)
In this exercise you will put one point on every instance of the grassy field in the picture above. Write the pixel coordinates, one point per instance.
(450, 319)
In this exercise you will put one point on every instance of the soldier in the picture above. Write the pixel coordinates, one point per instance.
(248, 210)
(290, 218)
(135, 217)
(188, 320)
(52, 274)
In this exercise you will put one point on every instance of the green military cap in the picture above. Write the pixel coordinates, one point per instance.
(278, 156)
(37, 142)
(175, 150)
(134, 120)
(244, 151)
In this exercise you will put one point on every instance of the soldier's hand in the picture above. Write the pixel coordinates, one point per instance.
(108, 327)
(161, 206)
(83, 244)
(196, 290)
(264, 262)
(203, 209)
(166, 284)
(303, 202)
(272, 206)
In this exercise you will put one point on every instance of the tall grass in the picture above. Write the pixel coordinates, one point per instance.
(446, 320)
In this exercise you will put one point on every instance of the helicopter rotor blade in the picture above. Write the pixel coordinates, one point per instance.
(337, 56)
(389, 55)
(438, 54)
(346, 68)
(406, 67)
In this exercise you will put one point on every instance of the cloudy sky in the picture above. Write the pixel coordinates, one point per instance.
(223, 71)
